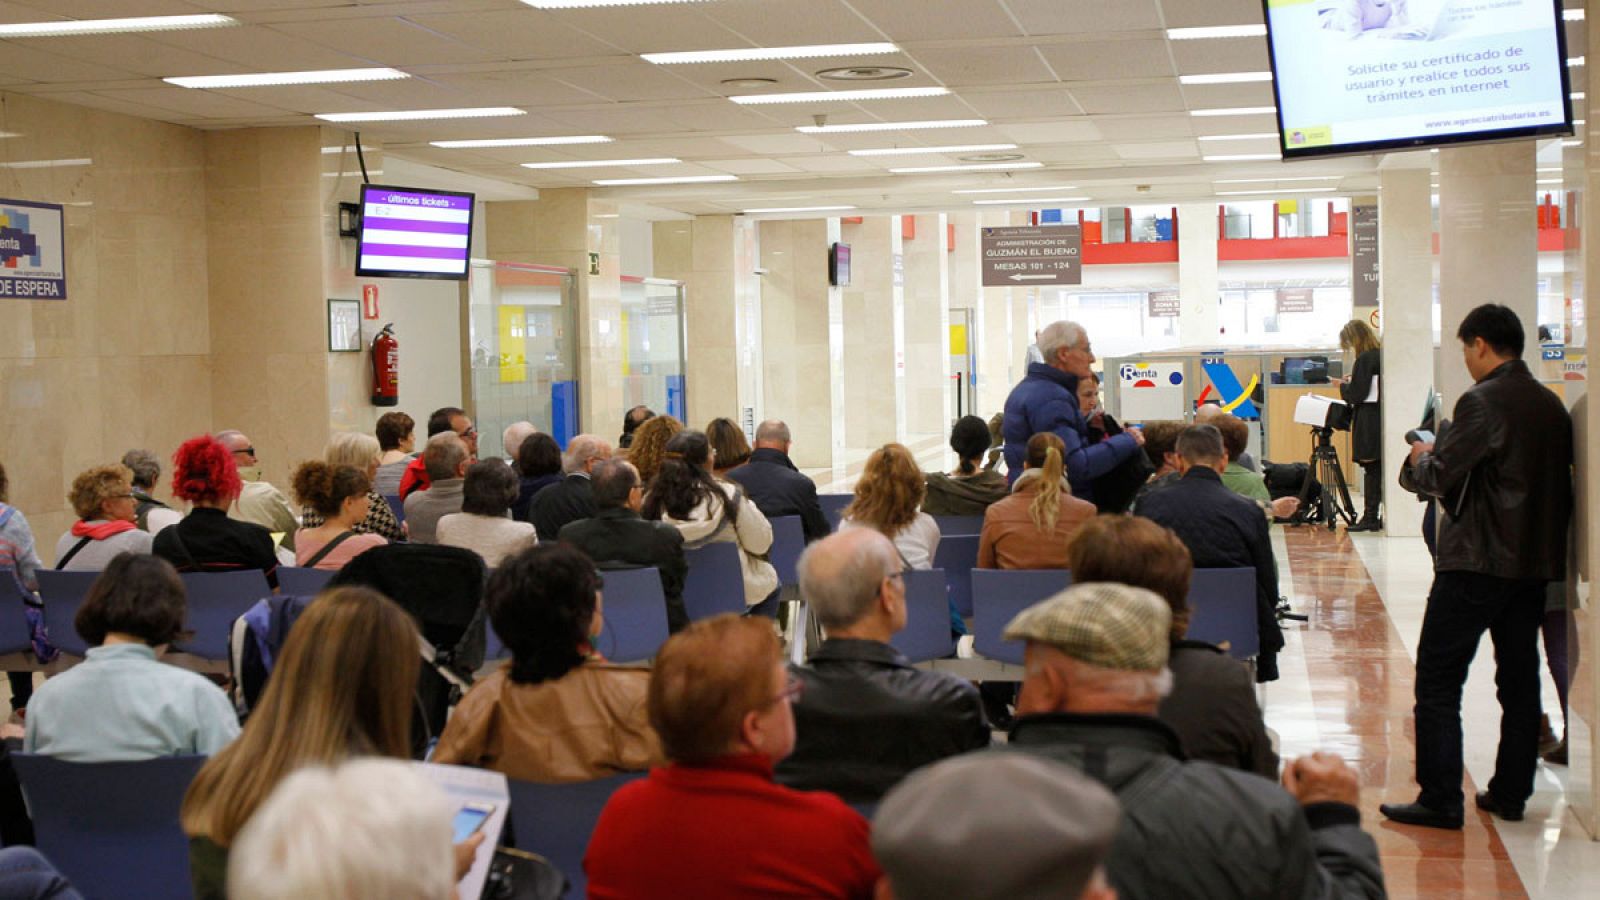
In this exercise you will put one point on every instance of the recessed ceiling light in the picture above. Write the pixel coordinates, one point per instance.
(600, 163)
(954, 148)
(891, 126)
(1264, 180)
(1241, 157)
(754, 54)
(682, 179)
(851, 96)
(408, 115)
(1035, 201)
(69, 27)
(1234, 111)
(524, 142)
(1238, 137)
(1037, 189)
(989, 157)
(913, 170)
(864, 73)
(1216, 31)
(1572, 15)
(797, 209)
(275, 79)
(1275, 192)
(587, 4)
(1225, 78)
(749, 82)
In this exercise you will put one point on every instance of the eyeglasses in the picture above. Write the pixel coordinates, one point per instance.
(120, 497)
(469, 433)
(248, 451)
(792, 690)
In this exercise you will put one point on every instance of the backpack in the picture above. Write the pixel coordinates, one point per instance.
(253, 647)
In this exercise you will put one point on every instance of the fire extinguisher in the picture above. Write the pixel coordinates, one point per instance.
(386, 368)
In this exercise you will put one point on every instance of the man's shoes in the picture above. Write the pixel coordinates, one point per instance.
(1417, 814)
(1557, 755)
(1366, 525)
(1547, 735)
(1494, 806)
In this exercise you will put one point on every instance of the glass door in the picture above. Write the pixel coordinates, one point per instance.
(653, 345)
(522, 350)
(963, 363)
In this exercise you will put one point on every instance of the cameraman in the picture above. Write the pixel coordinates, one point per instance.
(1366, 431)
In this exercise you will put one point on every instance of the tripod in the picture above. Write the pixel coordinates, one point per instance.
(1324, 468)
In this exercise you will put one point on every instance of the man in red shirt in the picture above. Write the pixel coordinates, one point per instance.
(714, 824)
(448, 418)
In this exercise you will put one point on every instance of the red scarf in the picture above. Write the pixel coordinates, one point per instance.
(100, 530)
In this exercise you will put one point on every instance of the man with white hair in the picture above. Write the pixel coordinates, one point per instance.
(1047, 400)
(773, 483)
(511, 440)
(446, 458)
(1095, 658)
(571, 498)
(867, 717)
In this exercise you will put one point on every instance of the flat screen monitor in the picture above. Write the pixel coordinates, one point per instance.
(839, 265)
(1358, 76)
(1305, 370)
(414, 233)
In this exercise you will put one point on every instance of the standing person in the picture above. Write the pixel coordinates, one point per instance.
(1503, 470)
(20, 560)
(775, 485)
(1047, 400)
(103, 499)
(970, 489)
(1366, 431)
(152, 515)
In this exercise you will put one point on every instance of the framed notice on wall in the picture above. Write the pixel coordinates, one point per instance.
(344, 326)
(33, 251)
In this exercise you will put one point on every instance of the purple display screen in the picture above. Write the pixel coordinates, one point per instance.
(409, 233)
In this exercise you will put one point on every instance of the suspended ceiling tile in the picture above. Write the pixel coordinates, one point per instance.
(411, 93)
(1221, 55)
(779, 144)
(833, 164)
(751, 166)
(136, 53)
(1029, 104)
(630, 81)
(1203, 96)
(21, 59)
(958, 66)
(197, 104)
(937, 20)
(1110, 60)
(395, 41)
(777, 23)
(1158, 150)
(1076, 154)
(1079, 16)
(660, 29)
(1062, 132)
(50, 10)
(517, 34)
(514, 88)
(1116, 128)
(258, 48)
(1129, 98)
(1198, 13)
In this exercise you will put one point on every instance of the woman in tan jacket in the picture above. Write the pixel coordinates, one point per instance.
(1031, 528)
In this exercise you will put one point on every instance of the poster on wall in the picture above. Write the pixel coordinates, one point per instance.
(1148, 392)
(1295, 300)
(1364, 255)
(33, 251)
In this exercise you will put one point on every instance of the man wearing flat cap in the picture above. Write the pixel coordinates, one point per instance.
(1095, 660)
(995, 826)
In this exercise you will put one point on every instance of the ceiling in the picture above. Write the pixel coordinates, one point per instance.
(1089, 88)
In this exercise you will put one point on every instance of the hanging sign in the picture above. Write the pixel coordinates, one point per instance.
(1019, 256)
(33, 248)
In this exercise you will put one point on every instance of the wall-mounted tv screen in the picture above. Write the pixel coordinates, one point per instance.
(839, 265)
(414, 233)
(1357, 76)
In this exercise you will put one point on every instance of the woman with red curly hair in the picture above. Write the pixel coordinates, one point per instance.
(207, 540)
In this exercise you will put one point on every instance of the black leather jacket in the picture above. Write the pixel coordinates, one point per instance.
(867, 718)
(1503, 469)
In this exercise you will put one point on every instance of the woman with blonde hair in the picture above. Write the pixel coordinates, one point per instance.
(1360, 390)
(361, 452)
(889, 500)
(342, 687)
(107, 521)
(649, 443)
(1031, 528)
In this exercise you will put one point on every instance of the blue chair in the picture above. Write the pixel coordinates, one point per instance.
(63, 593)
(15, 635)
(557, 820)
(302, 582)
(112, 828)
(957, 554)
(715, 584)
(1222, 610)
(493, 647)
(788, 542)
(216, 599)
(998, 595)
(833, 506)
(634, 616)
(397, 505)
(927, 632)
(949, 525)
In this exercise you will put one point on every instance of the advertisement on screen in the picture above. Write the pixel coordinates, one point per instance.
(1354, 76)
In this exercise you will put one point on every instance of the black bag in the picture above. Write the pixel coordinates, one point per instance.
(1286, 479)
(1114, 491)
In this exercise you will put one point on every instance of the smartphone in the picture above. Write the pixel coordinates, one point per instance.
(470, 818)
(1422, 436)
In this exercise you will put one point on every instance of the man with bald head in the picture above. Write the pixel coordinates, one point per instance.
(259, 503)
(775, 486)
(571, 498)
(866, 717)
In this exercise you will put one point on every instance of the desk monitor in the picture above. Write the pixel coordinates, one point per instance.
(1304, 369)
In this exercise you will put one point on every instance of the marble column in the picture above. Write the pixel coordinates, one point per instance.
(799, 367)
(998, 368)
(1405, 303)
(874, 339)
(700, 253)
(1198, 311)
(927, 327)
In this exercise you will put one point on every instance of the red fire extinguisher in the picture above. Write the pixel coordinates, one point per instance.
(386, 368)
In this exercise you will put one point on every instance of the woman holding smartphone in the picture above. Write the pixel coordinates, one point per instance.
(1360, 390)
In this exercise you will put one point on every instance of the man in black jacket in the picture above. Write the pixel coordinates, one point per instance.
(1221, 529)
(866, 717)
(1503, 471)
(777, 488)
(571, 498)
(617, 538)
(1096, 663)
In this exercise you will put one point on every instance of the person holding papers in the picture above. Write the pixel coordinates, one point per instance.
(1360, 390)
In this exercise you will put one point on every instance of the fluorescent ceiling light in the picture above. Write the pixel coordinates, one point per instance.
(954, 148)
(587, 4)
(1036, 201)
(682, 179)
(524, 142)
(1572, 15)
(348, 148)
(598, 163)
(70, 27)
(275, 79)
(1234, 111)
(1547, 181)
(351, 173)
(1576, 61)
(1276, 192)
(45, 163)
(756, 54)
(1241, 157)
(1038, 189)
(1548, 169)
(409, 115)
(1577, 95)
(1238, 137)
(796, 209)
(891, 126)
(1216, 31)
(1576, 143)
(980, 167)
(1266, 180)
(1225, 78)
(1580, 121)
(827, 96)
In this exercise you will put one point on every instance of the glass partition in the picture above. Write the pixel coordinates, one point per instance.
(523, 350)
(653, 345)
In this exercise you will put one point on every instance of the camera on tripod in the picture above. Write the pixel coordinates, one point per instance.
(1322, 413)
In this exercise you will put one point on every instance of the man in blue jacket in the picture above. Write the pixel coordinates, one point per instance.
(1047, 400)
